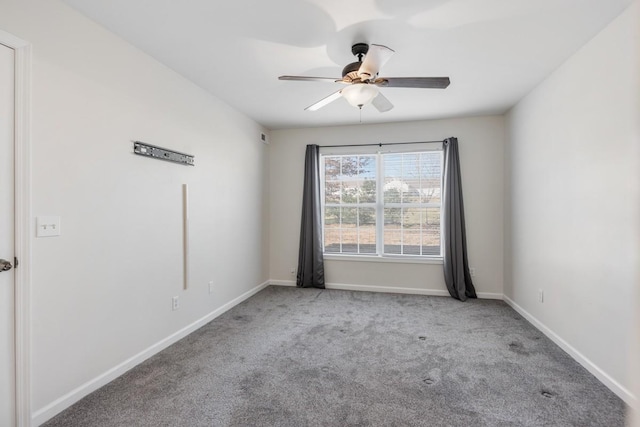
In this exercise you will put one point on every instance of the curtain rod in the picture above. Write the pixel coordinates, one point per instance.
(380, 144)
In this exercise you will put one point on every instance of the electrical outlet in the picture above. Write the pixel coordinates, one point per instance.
(472, 271)
(293, 271)
(540, 295)
(175, 303)
(211, 287)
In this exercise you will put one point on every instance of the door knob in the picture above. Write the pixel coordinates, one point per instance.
(5, 265)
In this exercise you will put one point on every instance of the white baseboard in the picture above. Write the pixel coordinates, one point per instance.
(622, 392)
(489, 295)
(282, 282)
(387, 289)
(58, 405)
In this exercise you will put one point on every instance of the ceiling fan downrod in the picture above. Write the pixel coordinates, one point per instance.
(360, 50)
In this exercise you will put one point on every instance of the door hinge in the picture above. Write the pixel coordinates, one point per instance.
(15, 262)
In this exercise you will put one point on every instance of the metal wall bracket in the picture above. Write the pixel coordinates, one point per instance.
(144, 149)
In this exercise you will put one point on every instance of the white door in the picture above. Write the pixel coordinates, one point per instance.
(7, 291)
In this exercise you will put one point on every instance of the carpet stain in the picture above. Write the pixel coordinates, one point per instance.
(547, 394)
(251, 382)
(517, 347)
(149, 375)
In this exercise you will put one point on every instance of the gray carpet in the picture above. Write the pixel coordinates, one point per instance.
(309, 357)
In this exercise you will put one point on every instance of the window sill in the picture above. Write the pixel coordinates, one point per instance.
(387, 258)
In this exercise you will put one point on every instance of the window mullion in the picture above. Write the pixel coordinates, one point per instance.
(340, 228)
(379, 204)
(358, 229)
(422, 218)
(340, 204)
(441, 177)
(401, 231)
(402, 205)
(422, 197)
(358, 206)
(322, 199)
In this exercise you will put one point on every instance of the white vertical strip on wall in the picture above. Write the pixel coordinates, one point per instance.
(185, 233)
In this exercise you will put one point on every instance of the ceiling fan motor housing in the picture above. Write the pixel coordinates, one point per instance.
(359, 50)
(351, 68)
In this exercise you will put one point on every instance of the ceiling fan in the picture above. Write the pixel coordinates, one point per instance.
(363, 81)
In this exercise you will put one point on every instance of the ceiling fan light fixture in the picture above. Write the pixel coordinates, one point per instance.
(359, 94)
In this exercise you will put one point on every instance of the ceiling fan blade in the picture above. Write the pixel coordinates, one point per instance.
(375, 58)
(415, 82)
(381, 103)
(324, 101)
(310, 79)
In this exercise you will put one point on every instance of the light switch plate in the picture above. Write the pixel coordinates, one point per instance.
(47, 226)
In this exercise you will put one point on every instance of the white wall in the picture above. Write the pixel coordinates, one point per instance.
(481, 141)
(101, 292)
(572, 199)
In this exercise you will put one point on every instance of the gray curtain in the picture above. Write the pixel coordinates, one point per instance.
(456, 265)
(310, 260)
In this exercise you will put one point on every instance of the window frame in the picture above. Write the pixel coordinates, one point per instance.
(380, 256)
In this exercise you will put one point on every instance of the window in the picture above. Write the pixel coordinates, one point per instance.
(384, 204)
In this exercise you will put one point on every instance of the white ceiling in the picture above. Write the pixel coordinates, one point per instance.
(494, 51)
